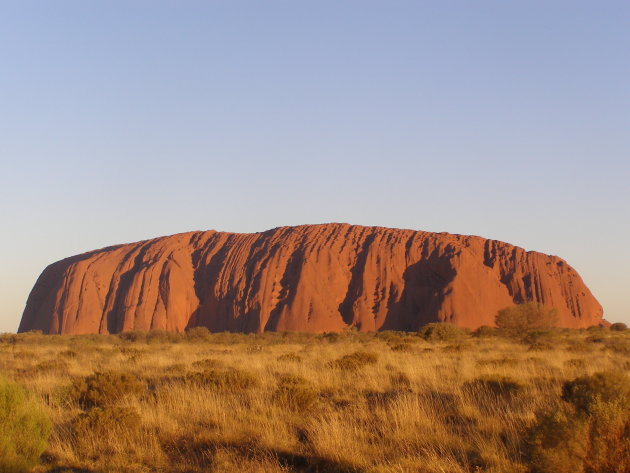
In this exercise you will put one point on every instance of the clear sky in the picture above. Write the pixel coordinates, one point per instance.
(125, 120)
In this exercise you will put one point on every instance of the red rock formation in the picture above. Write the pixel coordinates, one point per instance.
(310, 278)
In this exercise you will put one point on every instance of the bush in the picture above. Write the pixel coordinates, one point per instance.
(440, 331)
(208, 363)
(541, 339)
(198, 333)
(290, 357)
(618, 327)
(103, 389)
(355, 361)
(588, 434)
(231, 379)
(401, 347)
(586, 391)
(485, 332)
(51, 366)
(598, 329)
(296, 393)
(136, 336)
(162, 336)
(525, 317)
(103, 421)
(24, 429)
(498, 386)
(554, 441)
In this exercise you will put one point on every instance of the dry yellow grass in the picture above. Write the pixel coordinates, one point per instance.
(286, 406)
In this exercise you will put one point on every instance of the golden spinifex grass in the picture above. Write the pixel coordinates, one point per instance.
(388, 402)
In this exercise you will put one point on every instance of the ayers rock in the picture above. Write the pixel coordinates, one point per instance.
(311, 278)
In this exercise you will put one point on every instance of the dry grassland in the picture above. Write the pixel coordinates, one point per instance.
(271, 403)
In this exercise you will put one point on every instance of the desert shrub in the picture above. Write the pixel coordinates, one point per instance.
(69, 354)
(254, 348)
(588, 434)
(290, 357)
(390, 337)
(208, 363)
(618, 327)
(541, 339)
(524, 317)
(24, 429)
(440, 331)
(618, 345)
(354, 361)
(332, 337)
(578, 346)
(401, 347)
(554, 441)
(8, 338)
(102, 421)
(597, 329)
(230, 379)
(197, 333)
(162, 336)
(50, 366)
(296, 393)
(485, 332)
(499, 386)
(585, 391)
(400, 381)
(499, 362)
(105, 388)
(136, 336)
(575, 363)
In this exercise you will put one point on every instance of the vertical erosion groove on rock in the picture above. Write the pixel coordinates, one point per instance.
(312, 278)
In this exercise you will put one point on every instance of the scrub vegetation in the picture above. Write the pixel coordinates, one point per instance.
(443, 400)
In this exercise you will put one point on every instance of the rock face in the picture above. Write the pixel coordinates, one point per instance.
(309, 278)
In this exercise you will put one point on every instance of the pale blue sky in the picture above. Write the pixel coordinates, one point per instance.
(125, 120)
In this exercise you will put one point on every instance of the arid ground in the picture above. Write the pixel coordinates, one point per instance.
(441, 400)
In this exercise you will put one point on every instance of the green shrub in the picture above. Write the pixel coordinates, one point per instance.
(106, 388)
(528, 316)
(24, 429)
(230, 379)
(354, 361)
(585, 391)
(618, 327)
(440, 331)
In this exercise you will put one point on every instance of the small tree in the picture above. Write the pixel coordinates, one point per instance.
(527, 316)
